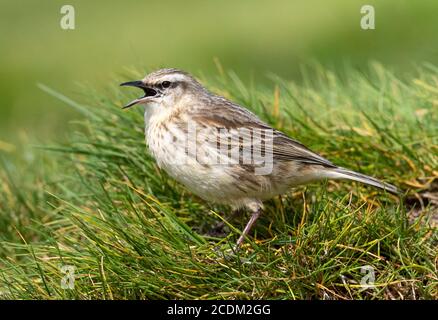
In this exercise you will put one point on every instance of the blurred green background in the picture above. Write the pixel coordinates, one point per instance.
(252, 38)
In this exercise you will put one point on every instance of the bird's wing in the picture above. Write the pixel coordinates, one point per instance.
(223, 114)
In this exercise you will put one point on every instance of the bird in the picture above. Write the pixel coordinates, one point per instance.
(223, 152)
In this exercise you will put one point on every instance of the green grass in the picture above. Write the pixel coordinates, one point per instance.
(100, 203)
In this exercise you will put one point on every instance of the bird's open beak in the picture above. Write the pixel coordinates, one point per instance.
(148, 92)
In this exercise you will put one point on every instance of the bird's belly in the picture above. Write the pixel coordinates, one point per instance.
(207, 181)
(217, 181)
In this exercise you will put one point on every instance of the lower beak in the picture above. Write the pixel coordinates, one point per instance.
(148, 92)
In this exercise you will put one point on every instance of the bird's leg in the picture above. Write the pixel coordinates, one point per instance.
(255, 215)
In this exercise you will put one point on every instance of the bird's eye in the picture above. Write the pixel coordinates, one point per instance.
(165, 84)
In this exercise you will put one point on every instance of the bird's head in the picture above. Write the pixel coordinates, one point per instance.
(164, 87)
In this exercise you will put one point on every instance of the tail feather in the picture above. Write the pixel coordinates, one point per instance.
(341, 173)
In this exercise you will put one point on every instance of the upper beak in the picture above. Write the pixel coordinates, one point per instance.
(137, 84)
(148, 92)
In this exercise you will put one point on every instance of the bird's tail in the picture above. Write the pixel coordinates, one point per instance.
(341, 173)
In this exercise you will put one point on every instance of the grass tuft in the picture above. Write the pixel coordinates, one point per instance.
(100, 204)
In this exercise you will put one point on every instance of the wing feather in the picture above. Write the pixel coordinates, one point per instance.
(222, 113)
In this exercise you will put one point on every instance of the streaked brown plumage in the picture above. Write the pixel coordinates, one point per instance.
(180, 113)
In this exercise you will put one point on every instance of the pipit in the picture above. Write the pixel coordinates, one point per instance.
(221, 151)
